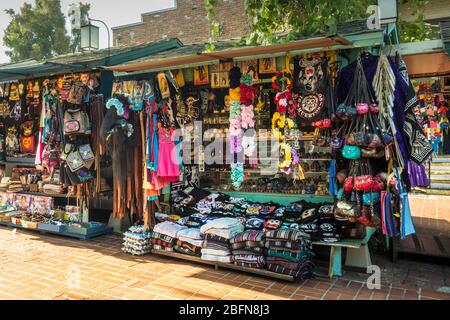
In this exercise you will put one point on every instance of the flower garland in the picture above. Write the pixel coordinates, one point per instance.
(237, 168)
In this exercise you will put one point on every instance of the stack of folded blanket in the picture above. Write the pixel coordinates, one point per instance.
(164, 235)
(248, 249)
(137, 241)
(217, 235)
(290, 252)
(189, 241)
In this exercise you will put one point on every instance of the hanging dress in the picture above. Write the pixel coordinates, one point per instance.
(168, 167)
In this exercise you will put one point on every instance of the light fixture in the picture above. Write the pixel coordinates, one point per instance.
(388, 11)
(90, 37)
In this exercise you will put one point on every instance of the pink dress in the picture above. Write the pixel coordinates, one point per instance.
(168, 167)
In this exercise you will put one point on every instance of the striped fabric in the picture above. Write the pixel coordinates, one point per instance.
(158, 247)
(288, 255)
(287, 234)
(253, 236)
(250, 259)
(305, 271)
(187, 251)
(215, 245)
(189, 247)
(162, 243)
(163, 237)
(254, 251)
(286, 245)
(248, 244)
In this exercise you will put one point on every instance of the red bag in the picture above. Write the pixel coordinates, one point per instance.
(348, 185)
(363, 183)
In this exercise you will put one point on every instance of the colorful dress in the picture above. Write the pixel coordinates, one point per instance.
(168, 167)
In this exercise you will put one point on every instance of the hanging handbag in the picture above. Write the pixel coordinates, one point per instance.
(351, 152)
(87, 155)
(76, 93)
(348, 209)
(372, 153)
(406, 222)
(362, 108)
(341, 176)
(371, 198)
(364, 181)
(74, 160)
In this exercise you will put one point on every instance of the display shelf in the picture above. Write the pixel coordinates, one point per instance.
(42, 194)
(97, 233)
(217, 265)
(23, 164)
(280, 198)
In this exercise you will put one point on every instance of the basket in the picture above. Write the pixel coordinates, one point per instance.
(5, 219)
(16, 221)
(29, 224)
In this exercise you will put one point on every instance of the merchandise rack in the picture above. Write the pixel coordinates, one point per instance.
(104, 231)
(228, 266)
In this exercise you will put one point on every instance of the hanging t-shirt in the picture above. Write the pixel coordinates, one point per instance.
(310, 79)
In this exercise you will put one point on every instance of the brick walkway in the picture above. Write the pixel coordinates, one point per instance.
(35, 266)
(431, 214)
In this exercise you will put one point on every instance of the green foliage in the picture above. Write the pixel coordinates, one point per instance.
(211, 6)
(75, 41)
(417, 30)
(39, 31)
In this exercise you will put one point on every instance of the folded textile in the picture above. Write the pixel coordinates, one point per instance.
(303, 273)
(162, 248)
(250, 251)
(215, 245)
(215, 238)
(286, 244)
(189, 247)
(288, 255)
(222, 224)
(248, 244)
(197, 243)
(250, 259)
(168, 228)
(162, 243)
(287, 234)
(214, 252)
(222, 259)
(226, 233)
(187, 251)
(164, 237)
(190, 233)
(254, 236)
(283, 262)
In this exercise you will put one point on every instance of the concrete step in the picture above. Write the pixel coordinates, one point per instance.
(440, 177)
(441, 160)
(431, 192)
(440, 186)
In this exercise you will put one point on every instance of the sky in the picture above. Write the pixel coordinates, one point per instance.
(113, 12)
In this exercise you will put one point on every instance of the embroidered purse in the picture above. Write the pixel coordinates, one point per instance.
(348, 209)
(74, 161)
(87, 155)
(351, 152)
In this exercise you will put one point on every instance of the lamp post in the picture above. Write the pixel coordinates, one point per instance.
(388, 11)
(90, 37)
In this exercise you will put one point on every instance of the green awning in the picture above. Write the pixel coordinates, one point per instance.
(83, 61)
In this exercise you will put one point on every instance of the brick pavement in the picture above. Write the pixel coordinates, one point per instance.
(35, 266)
(431, 214)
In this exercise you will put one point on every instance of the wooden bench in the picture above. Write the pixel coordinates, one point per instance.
(358, 254)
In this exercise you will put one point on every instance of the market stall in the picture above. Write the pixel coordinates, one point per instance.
(251, 156)
(53, 166)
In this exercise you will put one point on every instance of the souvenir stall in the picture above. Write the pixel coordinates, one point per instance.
(316, 151)
(433, 113)
(52, 153)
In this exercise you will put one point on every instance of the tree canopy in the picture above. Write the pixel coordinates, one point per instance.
(39, 31)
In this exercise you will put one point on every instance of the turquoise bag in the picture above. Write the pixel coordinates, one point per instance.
(351, 152)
